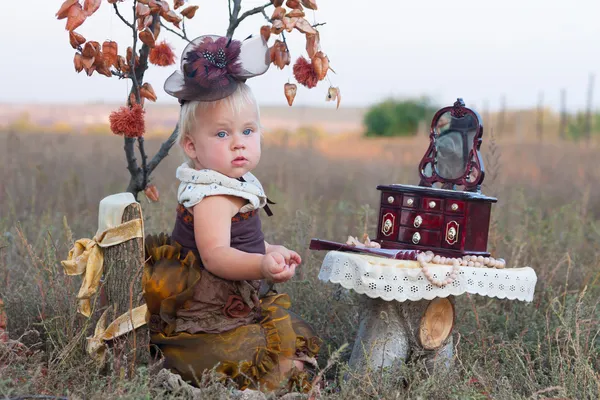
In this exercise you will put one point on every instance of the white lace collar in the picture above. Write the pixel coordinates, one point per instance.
(197, 184)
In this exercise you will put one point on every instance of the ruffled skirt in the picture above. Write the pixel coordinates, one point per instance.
(257, 354)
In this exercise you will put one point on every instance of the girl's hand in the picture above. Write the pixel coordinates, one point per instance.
(275, 268)
(291, 257)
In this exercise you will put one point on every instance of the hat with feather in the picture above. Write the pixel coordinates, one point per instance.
(213, 66)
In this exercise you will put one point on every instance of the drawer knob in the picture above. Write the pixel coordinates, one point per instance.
(418, 221)
(454, 207)
(416, 238)
(391, 199)
(410, 202)
(432, 204)
(451, 234)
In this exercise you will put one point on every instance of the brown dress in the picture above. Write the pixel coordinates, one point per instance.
(200, 321)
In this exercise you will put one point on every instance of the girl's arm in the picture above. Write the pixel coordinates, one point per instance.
(212, 230)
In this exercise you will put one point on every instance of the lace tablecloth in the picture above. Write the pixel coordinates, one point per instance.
(403, 280)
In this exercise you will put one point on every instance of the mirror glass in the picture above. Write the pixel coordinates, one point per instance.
(453, 141)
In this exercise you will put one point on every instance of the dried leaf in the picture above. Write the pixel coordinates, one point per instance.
(147, 92)
(151, 193)
(265, 32)
(178, 3)
(78, 62)
(90, 49)
(154, 6)
(64, 9)
(189, 12)
(87, 62)
(320, 65)
(147, 37)
(91, 6)
(278, 13)
(164, 6)
(76, 39)
(129, 55)
(317, 64)
(89, 70)
(289, 23)
(122, 64)
(289, 89)
(75, 17)
(142, 10)
(280, 55)
(172, 18)
(277, 3)
(312, 44)
(144, 1)
(144, 22)
(104, 70)
(333, 93)
(295, 13)
(110, 51)
(304, 26)
(293, 4)
(277, 27)
(311, 4)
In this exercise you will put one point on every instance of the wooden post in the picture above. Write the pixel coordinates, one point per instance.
(392, 332)
(588, 112)
(501, 116)
(123, 266)
(540, 117)
(562, 126)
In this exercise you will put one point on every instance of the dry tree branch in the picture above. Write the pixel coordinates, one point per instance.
(184, 37)
(234, 21)
(136, 87)
(122, 18)
(164, 150)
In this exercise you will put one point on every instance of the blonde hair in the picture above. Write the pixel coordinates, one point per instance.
(188, 118)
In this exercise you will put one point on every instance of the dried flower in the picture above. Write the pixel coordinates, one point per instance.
(162, 54)
(128, 121)
(305, 73)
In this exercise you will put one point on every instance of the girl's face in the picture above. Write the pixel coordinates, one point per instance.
(224, 141)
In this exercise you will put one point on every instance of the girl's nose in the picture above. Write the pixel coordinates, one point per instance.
(238, 142)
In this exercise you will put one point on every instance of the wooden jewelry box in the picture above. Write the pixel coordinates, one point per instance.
(451, 219)
(444, 220)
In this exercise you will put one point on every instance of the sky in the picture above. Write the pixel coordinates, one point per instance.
(480, 50)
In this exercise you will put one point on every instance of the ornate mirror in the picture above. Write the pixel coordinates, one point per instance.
(453, 157)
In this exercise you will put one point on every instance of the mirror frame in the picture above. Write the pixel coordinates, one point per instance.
(474, 161)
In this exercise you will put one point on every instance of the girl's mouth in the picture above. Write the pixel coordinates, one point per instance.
(239, 161)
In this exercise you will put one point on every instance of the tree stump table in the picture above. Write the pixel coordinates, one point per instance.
(405, 316)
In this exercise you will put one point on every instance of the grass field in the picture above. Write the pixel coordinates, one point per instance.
(547, 217)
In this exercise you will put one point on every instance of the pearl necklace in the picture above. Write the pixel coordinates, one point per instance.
(466, 261)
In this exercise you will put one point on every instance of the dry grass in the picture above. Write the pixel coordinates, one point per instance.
(548, 217)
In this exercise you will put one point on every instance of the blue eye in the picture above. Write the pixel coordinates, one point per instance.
(222, 134)
(247, 131)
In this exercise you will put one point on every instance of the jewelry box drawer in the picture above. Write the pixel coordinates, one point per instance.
(453, 232)
(410, 201)
(432, 204)
(419, 236)
(455, 206)
(388, 224)
(421, 220)
(391, 199)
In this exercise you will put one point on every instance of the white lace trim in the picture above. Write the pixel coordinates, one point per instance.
(403, 280)
(197, 184)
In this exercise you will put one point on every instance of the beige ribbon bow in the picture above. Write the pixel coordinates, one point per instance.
(96, 346)
(86, 257)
